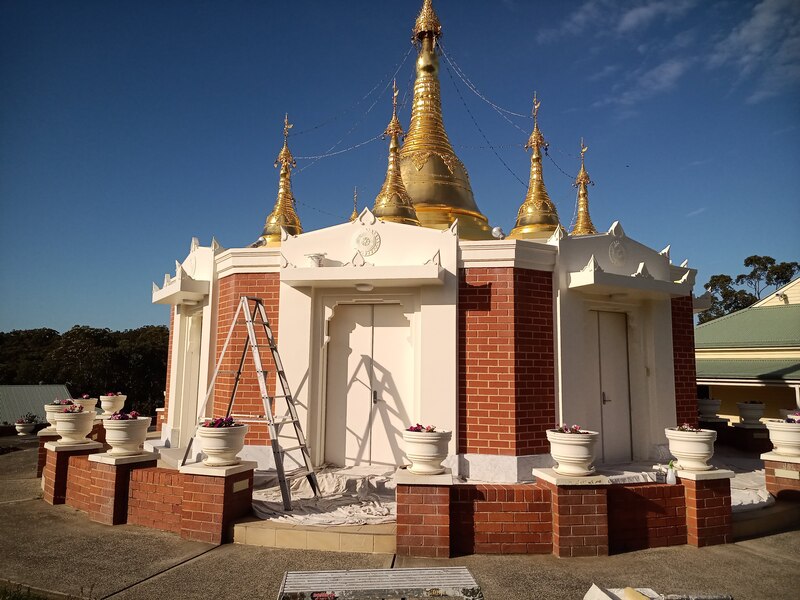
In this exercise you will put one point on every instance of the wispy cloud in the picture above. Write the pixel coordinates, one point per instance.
(765, 48)
(624, 17)
(606, 71)
(640, 17)
(696, 212)
(659, 79)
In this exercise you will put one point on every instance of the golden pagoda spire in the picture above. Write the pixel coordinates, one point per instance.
(435, 178)
(283, 214)
(537, 217)
(583, 222)
(393, 202)
(354, 214)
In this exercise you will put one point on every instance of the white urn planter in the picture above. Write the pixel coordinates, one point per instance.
(126, 437)
(51, 412)
(222, 444)
(751, 413)
(426, 450)
(692, 449)
(112, 404)
(785, 437)
(74, 427)
(24, 428)
(88, 404)
(708, 407)
(574, 452)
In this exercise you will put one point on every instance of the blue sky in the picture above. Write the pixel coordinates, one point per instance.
(128, 127)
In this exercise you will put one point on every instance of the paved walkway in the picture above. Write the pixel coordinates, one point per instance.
(58, 549)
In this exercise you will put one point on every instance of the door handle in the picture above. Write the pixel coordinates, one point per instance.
(605, 400)
(374, 396)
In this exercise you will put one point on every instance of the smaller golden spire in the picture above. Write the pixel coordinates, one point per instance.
(283, 214)
(583, 222)
(354, 214)
(427, 24)
(537, 217)
(393, 202)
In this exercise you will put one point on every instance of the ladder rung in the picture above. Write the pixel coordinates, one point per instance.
(297, 473)
(290, 448)
(284, 420)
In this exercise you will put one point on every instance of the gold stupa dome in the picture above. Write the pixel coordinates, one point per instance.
(537, 218)
(393, 202)
(583, 222)
(283, 214)
(435, 178)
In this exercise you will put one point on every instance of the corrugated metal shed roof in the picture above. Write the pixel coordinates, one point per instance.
(16, 400)
(755, 369)
(754, 327)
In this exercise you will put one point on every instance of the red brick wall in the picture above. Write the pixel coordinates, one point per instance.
(79, 483)
(210, 505)
(423, 520)
(501, 519)
(534, 373)
(645, 516)
(506, 376)
(782, 488)
(683, 354)
(580, 520)
(708, 512)
(248, 396)
(155, 498)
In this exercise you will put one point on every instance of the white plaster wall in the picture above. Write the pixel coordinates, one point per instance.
(430, 307)
(651, 375)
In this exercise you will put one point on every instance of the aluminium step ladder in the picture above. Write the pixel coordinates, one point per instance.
(255, 316)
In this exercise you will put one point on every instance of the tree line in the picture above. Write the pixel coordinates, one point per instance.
(730, 294)
(90, 361)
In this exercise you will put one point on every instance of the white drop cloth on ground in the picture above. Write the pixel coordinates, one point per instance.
(349, 496)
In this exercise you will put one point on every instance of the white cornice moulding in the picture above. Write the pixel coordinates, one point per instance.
(522, 254)
(235, 261)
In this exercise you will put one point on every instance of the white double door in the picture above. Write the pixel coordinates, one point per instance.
(369, 385)
(608, 332)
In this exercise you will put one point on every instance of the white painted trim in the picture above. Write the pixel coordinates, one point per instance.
(248, 260)
(795, 383)
(524, 254)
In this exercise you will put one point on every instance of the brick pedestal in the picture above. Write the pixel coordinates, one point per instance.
(750, 438)
(45, 437)
(708, 507)
(56, 468)
(110, 485)
(580, 513)
(214, 497)
(782, 475)
(423, 514)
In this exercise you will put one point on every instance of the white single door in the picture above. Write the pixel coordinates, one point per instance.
(369, 379)
(612, 334)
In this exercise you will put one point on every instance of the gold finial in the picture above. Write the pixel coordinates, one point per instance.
(394, 127)
(435, 178)
(393, 202)
(537, 217)
(583, 222)
(427, 24)
(285, 157)
(354, 214)
(283, 214)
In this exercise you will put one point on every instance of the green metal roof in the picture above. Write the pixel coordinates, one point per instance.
(757, 369)
(16, 400)
(767, 326)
